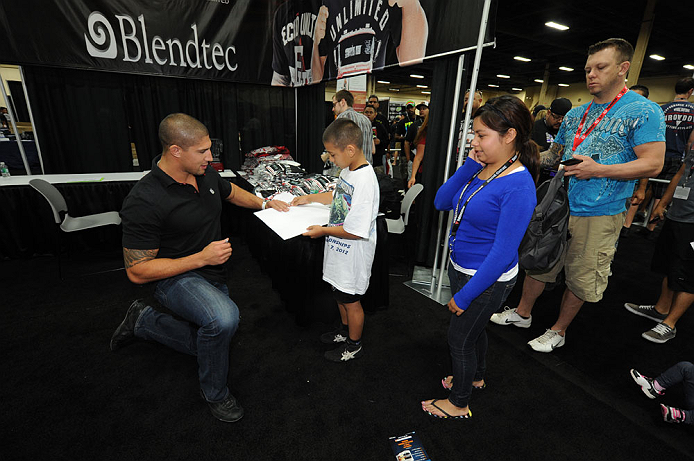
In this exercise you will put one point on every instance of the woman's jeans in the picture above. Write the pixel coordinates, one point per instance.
(467, 337)
(682, 372)
(213, 319)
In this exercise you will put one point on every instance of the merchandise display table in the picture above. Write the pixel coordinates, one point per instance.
(296, 269)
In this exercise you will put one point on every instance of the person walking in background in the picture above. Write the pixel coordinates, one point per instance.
(493, 197)
(673, 256)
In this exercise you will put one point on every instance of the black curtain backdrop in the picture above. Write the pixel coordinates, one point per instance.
(311, 122)
(440, 109)
(86, 120)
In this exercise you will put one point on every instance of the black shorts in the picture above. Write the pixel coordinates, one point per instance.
(674, 255)
(670, 167)
(344, 298)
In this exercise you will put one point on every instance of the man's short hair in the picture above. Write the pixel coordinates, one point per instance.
(181, 130)
(684, 84)
(641, 88)
(623, 48)
(374, 96)
(370, 106)
(343, 132)
(346, 95)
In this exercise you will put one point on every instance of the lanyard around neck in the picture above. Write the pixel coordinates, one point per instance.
(459, 211)
(578, 137)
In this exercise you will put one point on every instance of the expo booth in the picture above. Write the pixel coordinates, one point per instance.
(100, 76)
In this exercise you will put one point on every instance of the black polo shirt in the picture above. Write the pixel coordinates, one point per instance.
(175, 218)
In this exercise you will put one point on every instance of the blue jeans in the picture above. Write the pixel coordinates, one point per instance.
(682, 372)
(213, 319)
(467, 337)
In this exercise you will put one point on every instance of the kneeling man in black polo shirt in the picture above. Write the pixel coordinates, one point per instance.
(172, 236)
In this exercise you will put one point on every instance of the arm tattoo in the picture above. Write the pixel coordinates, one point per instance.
(134, 257)
(551, 155)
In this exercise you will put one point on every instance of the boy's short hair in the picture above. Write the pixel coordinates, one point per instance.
(623, 49)
(343, 132)
(346, 95)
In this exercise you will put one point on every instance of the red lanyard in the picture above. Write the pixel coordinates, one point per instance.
(578, 137)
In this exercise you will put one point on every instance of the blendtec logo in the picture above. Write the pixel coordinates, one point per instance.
(101, 43)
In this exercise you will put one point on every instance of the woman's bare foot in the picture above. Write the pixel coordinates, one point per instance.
(447, 383)
(441, 407)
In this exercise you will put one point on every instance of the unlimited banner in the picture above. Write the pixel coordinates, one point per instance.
(290, 43)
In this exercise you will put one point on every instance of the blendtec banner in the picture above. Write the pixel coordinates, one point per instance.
(283, 42)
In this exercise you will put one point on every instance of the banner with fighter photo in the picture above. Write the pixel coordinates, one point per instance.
(279, 42)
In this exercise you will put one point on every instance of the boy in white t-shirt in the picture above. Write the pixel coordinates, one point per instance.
(350, 241)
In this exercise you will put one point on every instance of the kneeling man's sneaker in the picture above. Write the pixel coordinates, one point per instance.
(646, 384)
(547, 342)
(125, 332)
(228, 410)
(645, 311)
(344, 353)
(660, 333)
(509, 316)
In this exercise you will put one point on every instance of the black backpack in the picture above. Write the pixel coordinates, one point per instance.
(545, 239)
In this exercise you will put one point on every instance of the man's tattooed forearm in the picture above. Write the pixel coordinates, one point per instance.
(134, 257)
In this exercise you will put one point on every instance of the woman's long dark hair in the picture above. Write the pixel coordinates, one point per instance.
(504, 112)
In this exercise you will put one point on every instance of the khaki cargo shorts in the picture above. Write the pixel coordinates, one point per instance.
(588, 256)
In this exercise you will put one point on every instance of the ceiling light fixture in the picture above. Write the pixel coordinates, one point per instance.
(563, 84)
(503, 76)
(538, 80)
(568, 69)
(385, 82)
(416, 76)
(394, 89)
(657, 57)
(426, 92)
(556, 25)
(493, 86)
(688, 66)
(422, 86)
(517, 89)
(521, 58)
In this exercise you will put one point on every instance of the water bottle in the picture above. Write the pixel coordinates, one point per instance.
(3, 169)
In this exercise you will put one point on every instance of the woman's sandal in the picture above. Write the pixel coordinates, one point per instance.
(449, 386)
(433, 404)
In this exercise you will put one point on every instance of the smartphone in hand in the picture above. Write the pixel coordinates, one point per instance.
(571, 161)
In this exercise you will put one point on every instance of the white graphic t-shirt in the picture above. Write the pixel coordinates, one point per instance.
(347, 262)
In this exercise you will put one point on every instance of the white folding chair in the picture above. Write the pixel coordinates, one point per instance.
(397, 226)
(61, 216)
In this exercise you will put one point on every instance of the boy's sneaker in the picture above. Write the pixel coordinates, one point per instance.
(672, 414)
(660, 333)
(334, 337)
(645, 311)
(547, 342)
(344, 353)
(509, 316)
(646, 384)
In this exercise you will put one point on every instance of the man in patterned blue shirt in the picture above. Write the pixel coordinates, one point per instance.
(617, 137)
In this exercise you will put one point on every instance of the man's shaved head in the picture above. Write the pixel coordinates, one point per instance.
(181, 130)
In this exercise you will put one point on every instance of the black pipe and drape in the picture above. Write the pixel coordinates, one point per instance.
(86, 120)
(441, 107)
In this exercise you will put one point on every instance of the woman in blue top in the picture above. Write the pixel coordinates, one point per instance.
(493, 198)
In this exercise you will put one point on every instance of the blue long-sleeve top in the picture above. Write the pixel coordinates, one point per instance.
(492, 227)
